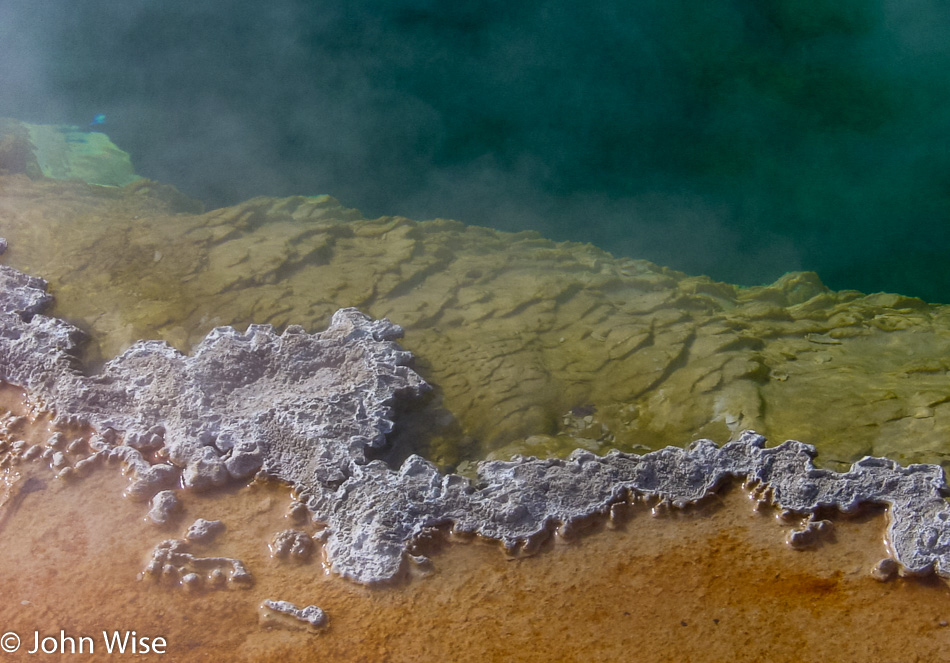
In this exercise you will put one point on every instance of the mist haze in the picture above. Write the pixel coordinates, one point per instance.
(737, 138)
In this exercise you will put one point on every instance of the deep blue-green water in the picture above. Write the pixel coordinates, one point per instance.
(737, 138)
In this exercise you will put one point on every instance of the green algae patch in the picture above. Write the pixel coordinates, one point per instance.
(532, 346)
(67, 152)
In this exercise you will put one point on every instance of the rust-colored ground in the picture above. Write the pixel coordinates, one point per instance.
(713, 583)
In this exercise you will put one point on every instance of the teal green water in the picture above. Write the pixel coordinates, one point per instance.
(737, 138)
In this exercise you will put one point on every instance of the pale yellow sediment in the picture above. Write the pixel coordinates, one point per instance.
(534, 347)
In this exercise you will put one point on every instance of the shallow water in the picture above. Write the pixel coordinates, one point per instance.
(741, 138)
(532, 347)
(714, 583)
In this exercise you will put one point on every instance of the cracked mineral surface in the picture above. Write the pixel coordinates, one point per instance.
(309, 408)
(532, 346)
(720, 566)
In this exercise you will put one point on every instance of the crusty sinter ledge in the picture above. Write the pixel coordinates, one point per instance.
(306, 408)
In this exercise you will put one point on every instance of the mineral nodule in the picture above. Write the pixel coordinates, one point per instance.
(307, 409)
(310, 616)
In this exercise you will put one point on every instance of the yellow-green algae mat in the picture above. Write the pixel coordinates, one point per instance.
(533, 346)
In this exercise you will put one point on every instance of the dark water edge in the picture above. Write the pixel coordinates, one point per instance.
(741, 139)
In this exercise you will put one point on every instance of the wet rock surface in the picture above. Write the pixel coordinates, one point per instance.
(304, 407)
(171, 562)
(292, 544)
(534, 347)
(204, 531)
(520, 500)
(311, 616)
(809, 535)
(163, 507)
(307, 408)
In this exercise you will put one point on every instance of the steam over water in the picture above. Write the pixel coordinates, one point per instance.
(742, 139)
(738, 138)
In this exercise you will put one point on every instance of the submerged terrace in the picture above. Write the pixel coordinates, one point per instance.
(527, 347)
